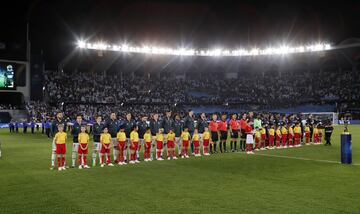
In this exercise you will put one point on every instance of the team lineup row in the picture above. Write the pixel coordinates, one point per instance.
(128, 139)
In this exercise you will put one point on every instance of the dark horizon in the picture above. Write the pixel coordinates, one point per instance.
(56, 26)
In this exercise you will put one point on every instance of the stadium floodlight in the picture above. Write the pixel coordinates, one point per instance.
(81, 44)
(181, 51)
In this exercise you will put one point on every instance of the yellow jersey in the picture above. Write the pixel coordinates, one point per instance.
(263, 131)
(105, 138)
(291, 131)
(307, 129)
(297, 129)
(60, 138)
(196, 137)
(159, 137)
(206, 135)
(257, 134)
(83, 138)
(147, 137)
(171, 136)
(185, 136)
(134, 136)
(121, 136)
(284, 130)
(272, 132)
(278, 132)
(316, 131)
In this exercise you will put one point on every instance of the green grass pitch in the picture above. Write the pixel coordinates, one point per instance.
(297, 180)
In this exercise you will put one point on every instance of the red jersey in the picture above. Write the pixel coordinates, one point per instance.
(243, 124)
(234, 124)
(213, 126)
(223, 126)
(248, 129)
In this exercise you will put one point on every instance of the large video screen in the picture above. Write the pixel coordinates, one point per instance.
(7, 76)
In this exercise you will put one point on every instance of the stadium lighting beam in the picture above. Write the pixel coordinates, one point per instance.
(217, 52)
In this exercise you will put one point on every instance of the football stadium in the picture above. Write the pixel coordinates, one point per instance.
(180, 107)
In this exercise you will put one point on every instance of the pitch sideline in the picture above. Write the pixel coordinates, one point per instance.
(305, 159)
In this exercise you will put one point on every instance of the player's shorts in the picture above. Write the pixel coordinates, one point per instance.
(147, 145)
(104, 150)
(290, 137)
(297, 135)
(96, 146)
(271, 138)
(159, 145)
(307, 134)
(284, 138)
(249, 139)
(81, 151)
(206, 142)
(170, 144)
(134, 146)
(257, 140)
(185, 143)
(75, 147)
(223, 135)
(234, 133)
(60, 149)
(115, 142)
(196, 143)
(278, 138)
(243, 134)
(263, 136)
(214, 136)
(121, 145)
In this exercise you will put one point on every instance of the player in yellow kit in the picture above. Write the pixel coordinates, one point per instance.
(60, 142)
(121, 138)
(83, 139)
(206, 141)
(196, 142)
(297, 135)
(159, 144)
(147, 144)
(134, 144)
(171, 145)
(105, 140)
(185, 137)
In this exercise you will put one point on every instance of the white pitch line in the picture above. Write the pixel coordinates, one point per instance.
(300, 158)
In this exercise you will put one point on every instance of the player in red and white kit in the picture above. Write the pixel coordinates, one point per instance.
(249, 139)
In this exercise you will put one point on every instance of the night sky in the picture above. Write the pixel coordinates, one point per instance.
(55, 26)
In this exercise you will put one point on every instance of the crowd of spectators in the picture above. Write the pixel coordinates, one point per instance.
(286, 89)
(92, 93)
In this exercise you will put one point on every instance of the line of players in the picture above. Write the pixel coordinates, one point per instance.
(126, 138)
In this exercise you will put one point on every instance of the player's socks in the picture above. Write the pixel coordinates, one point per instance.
(59, 161)
(53, 159)
(108, 158)
(80, 161)
(231, 145)
(115, 153)
(224, 145)
(102, 159)
(173, 153)
(94, 158)
(84, 160)
(63, 161)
